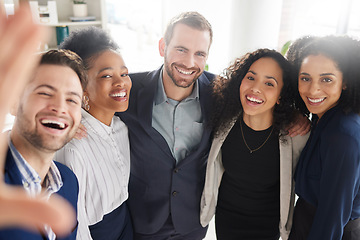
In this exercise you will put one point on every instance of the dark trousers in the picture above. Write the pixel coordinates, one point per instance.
(303, 217)
(352, 230)
(167, 232)
(114, 226)
(304, 214)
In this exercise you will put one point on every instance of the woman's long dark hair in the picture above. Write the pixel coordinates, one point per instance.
(226, 93)
(345, 52)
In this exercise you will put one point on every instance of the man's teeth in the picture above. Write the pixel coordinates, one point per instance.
(53, 124)
(254, 100)
(316, 100)
(184, 72)
(120, 94)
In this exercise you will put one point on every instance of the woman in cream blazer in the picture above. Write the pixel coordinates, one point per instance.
(290, 150)
(262, 80)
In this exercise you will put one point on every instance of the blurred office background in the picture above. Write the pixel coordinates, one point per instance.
(239, 25)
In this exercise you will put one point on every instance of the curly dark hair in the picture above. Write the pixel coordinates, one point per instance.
(292, 55)
(226, 92)
(345, 52)
(88, 43)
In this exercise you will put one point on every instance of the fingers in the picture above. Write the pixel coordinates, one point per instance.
(305, 130)
(81, 132)
(17, 209)
(19, 40)
(300, 127)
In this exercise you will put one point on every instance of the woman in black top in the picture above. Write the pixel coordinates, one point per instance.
(253, 107)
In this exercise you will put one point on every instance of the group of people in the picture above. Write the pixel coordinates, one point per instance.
(164, 151)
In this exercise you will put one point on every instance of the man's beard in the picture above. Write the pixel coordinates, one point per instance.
(49, 144)
(170, 68)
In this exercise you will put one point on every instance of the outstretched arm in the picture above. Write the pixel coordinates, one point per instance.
(19, 40)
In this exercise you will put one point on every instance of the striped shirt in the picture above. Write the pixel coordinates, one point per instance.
(32, 182)
(101, 162)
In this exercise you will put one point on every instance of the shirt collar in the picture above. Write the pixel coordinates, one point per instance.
(31, 179)
(94, 125)
(161, 97)
(53, 180)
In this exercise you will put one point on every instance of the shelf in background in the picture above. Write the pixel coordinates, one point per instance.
(69, 23)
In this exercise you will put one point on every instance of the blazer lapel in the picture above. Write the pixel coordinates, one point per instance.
(218, 141)
(144, 101)
(12, 173)
(286, 180)
(206, 105)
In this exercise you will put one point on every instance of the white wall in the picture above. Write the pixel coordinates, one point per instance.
(255, 24)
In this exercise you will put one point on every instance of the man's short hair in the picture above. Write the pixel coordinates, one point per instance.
(66, 58)
(191, 19)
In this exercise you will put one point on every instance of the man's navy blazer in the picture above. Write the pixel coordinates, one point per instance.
(69, 191)
(158, 186)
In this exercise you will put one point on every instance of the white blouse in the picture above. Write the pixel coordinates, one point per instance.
(101, 162)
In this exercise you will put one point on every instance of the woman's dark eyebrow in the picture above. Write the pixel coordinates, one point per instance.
(326, 74)
(269, 77)
(107, 68)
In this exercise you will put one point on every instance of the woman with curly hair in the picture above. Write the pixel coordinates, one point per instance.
(249, 172)
(328, 174)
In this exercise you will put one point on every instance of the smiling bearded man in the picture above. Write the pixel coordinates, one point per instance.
(168, 111)
(47, 117)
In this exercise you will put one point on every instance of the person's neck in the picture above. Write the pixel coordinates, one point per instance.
(38, 159)
(102, 115)
(257, 122)
(174, 92)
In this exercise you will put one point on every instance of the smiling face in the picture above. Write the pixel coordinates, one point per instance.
(49, 109)
(185, 55)
(109, 86)
(260, 88)
(320, 84)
